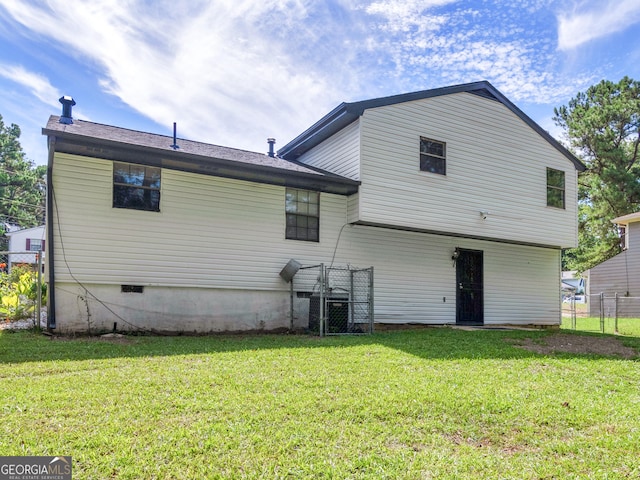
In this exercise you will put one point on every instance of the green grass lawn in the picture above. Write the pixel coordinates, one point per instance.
(626, 326)
(420, 404)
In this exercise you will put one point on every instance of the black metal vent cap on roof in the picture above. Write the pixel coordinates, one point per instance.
(271, 142)
(67, 103)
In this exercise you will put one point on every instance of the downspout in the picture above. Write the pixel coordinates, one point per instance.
(559, 277)
(51, 281)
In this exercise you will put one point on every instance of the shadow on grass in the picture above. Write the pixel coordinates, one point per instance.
(428, 343)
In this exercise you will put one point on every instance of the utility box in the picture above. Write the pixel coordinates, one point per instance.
(289, 270)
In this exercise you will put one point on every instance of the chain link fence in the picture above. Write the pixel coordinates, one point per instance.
(611, 310)
(333, 300)
(22, 288)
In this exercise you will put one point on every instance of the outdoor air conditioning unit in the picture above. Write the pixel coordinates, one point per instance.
(336, 313)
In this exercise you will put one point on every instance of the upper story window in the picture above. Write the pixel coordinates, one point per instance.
(555, 188)
(624, 241)
(302, 208)
(136, 187)
(433, 156)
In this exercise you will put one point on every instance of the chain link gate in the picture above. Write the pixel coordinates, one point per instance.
(21, 286)
(335, 300)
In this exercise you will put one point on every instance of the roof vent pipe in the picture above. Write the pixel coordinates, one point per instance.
(67, 102)
(175, 145)
(271, 142)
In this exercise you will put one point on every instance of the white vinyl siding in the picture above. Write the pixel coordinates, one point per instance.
(210, 232)
(495, 163)
(413, 272)
(339, 154)
(352, 208)
(228, 235)
(633, 238)
(620, 274)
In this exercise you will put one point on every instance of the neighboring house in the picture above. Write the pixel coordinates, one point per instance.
(4, 239)
(620, 274)
(460, 202)
(572, 287)
(21, 242)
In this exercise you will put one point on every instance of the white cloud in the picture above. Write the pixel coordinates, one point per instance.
(402, 15)
(223, 70)
(37, 84)
(21, 108)
(27, 98)
(601, 19)
(510, 44)
(235, 72)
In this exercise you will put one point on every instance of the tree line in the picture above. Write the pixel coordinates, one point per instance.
(601, 125)
(22, 184)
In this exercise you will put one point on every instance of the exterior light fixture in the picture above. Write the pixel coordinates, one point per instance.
(455, 255)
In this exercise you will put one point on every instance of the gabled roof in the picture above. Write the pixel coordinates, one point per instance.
(627, 219)
(23, 230)
(346, 113)
(115, 143)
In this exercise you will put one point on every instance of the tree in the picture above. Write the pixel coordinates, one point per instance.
(22, 184)
(603, 128)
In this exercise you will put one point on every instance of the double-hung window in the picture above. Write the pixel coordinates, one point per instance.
(433, 156)
(302, 209)
(555, 188)
(136, 187)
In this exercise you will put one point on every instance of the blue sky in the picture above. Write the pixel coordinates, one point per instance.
(234, 72)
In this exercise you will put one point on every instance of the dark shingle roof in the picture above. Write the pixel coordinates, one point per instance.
(124, 136)
(191, 156)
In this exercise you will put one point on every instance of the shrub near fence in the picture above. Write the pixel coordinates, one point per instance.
(22, 291)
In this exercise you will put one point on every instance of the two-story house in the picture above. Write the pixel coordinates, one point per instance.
(460, 202)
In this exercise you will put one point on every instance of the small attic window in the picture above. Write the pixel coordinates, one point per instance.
(433, 156)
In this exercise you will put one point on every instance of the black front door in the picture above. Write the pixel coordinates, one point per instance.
(469, 288)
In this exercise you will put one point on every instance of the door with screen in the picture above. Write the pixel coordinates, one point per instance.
(470, 288)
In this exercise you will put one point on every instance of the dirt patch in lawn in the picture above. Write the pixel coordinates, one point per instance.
(563, 343)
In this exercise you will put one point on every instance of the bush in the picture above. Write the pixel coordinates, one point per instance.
(19, 293)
